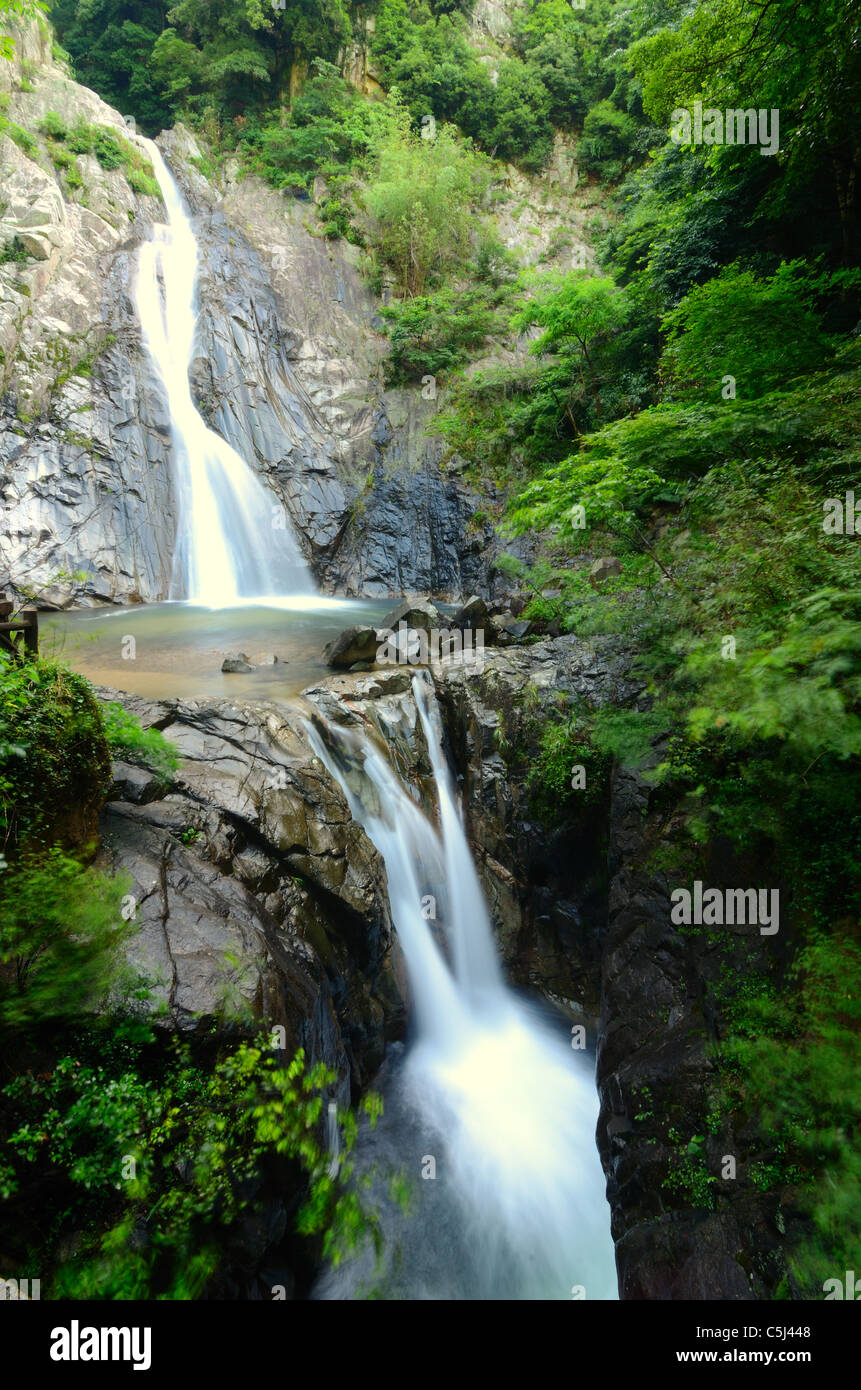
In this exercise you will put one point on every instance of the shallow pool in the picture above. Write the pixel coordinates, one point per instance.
(176, 649)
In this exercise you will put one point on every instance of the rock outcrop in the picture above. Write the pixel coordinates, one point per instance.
(85, 476)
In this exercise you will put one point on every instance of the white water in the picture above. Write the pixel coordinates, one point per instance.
(489, 1090)
(234, 541)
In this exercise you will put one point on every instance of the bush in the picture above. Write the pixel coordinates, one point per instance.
(53, 126)
(54, 762)
(420, 201)
(14, 252)
(79, 138)
(761, 332)
(139, 182)
(203, 1141)
(433, 334)
(60, 925)
(608, 141)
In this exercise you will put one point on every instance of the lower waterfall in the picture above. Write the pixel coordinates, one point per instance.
(490, 1108)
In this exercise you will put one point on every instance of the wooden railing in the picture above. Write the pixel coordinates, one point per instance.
(23, 620)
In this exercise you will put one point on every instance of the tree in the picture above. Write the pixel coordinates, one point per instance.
(761, 332)
(579, 314)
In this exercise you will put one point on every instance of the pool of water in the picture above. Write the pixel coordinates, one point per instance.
(176, 649)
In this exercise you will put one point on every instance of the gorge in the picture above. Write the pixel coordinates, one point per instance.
(381, 1000)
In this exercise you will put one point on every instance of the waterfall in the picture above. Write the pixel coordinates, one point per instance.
(234, 540)
(499, 1102)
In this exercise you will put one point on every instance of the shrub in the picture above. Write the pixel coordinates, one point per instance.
(53, 126)
(202, 1139)
(139, 182)
(54, 763)
(60, 925)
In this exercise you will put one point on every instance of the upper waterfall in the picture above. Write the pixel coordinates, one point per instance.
(234, 540)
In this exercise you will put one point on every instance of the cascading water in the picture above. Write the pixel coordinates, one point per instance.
(234, 541)
(488, 1091)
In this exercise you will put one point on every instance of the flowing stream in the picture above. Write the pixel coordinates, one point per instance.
(492, 1106)
(234, 541)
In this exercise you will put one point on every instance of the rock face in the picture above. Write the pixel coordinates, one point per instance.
(85, 477)
(659, 1114)
(258, 899)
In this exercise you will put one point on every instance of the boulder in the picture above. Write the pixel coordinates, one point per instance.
(472, 615)
(505, 628)
(236, 662)
(417, 613)
(604, 569)
(352, 645)
(133, 783)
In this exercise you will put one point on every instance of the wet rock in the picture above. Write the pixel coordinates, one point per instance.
(352, 645)
(270, 659)
(132, 783)
(419, 613)
(275, 908)
(473, 614)
(237, 662)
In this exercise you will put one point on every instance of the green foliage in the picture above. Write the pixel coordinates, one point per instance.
(192, 58)
(148, 746)
(54, 764)
(327, 132)
(14, 252)
(562, 746)
(795, 1059)
(435, 333)
(19, 10)
(208, 1143)
(688, 1173)
(53, 126)
(762, 332)
(420, 201)
(60, 926)
(608, 141)
(21, 137)
(139, 182)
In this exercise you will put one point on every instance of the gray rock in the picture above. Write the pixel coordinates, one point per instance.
(133, 783)
(604, 569)
(352, 645)
(270, 659)
(517, 628)
(416, 613)
(237, 662)
(473, 614)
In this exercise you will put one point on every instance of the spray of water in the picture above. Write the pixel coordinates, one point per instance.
(505, 1109)
(234, 542)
